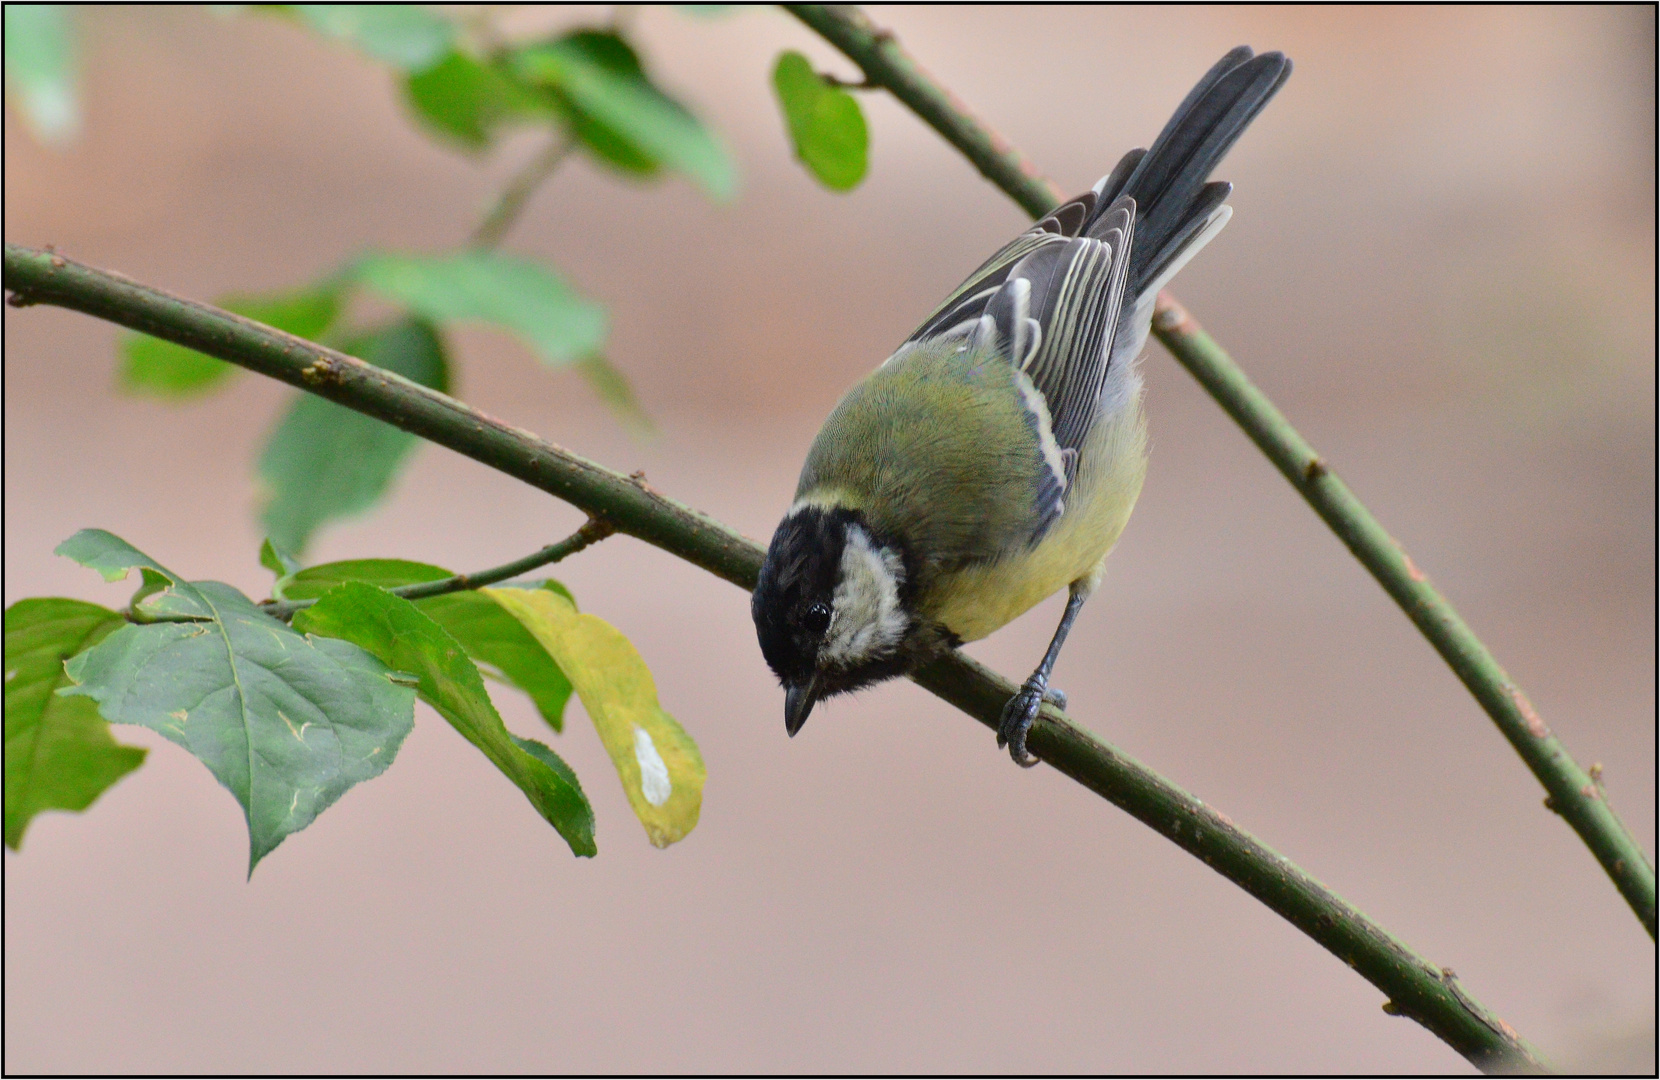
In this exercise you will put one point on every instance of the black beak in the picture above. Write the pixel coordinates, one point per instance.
(798, 702)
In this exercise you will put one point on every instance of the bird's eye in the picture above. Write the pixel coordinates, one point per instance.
(817, 618)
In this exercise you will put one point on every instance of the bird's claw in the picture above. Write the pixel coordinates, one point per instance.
(1018, 716)
(1057, 698)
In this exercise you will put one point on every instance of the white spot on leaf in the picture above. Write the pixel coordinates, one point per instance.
(655, 784)
(297, 732)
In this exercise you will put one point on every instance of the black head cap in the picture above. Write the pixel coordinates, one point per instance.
(793, 607)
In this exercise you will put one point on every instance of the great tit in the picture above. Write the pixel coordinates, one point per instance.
(996, 456)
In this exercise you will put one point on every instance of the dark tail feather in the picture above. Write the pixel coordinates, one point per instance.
(1168, 181)
(1112, 186)
(1151, 261)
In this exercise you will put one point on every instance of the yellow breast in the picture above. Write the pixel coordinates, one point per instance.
(983, 598)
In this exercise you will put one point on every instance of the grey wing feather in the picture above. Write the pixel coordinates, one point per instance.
(1054, 312)
(1071, 299)
(968, 300)
(1077, 296)
(1050, 302)
(1009, 312)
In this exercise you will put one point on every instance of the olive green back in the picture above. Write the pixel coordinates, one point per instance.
(940, 448)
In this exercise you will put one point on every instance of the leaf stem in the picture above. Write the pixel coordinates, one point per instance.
(592, 531)
(1571, 792)
(510, 202)
(1414, 987)
(862, 84)
(887, 64)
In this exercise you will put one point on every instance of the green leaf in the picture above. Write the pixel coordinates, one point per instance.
(826, 124)
(621, 115)
(492, 636)
(407, 36)
(40, 69)
(162, 596)
(661, 769)
(108, 554)
(287, 723)
(306, 313)
(509, 293)
(603, 142)
(314, 581)
(489, 634)
(325, 461)
(59, 753)
(276, 560)
(543, 753)
(468, 101)
(616, 392)
(165, 370)
(394, 630)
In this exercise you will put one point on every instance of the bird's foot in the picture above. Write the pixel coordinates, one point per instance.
(1018, 716)
(1057, 698)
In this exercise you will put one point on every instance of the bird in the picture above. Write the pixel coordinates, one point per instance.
(994, 458)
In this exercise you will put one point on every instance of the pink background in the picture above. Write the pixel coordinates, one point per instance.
(1441, 268)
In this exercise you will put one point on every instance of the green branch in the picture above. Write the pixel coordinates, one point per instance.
(1573, 793)
(510, 201)
(1414, 987)
(592, 531)
(1571, 790)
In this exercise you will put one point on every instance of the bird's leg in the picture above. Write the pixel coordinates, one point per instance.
(1022, 709)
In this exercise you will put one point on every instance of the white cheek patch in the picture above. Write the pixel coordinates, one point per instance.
(866, 619)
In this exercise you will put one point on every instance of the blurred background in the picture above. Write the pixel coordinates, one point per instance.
(1441, 267)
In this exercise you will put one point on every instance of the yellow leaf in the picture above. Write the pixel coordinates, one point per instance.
(659, 765)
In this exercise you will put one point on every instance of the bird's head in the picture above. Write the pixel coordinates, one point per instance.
(832, 608)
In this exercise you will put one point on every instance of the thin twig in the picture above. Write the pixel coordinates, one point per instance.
(592, 531)
(1571, 792)
(510, 203)
(1414, 987)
